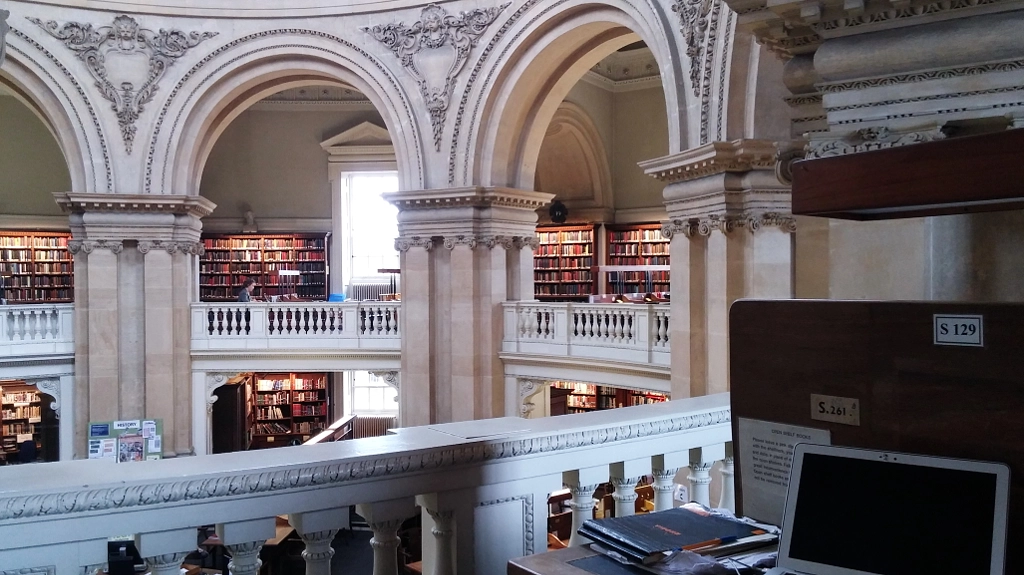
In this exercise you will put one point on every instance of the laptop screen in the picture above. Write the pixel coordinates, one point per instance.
(893, 514)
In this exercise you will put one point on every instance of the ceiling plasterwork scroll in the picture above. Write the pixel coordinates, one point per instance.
(698, 18)
(4, 28)
(436, 29)
(126, 61)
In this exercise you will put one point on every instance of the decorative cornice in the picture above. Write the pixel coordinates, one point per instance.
(436, 29)
(51, 387)
(728, 224)
(477, 197)
(451, 242)
(77, 203)
(405, 244)
(936, 74)
(89, 246)
(803, 99)
(893, 11)
(192, 248)
(124, 38)
(869, 139)
(527, 501)
(250, 483)
(520, 242)
(4, 28)
(713, 158)
(507, 242)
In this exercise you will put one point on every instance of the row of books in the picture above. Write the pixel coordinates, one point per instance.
(278, 398)
(306, 396)
(577, 276)
(23, 242)
(563, 289)
(39, 294)
(653, 235)
(263, 243)
(636, 261)
(23, 412)
(270, 412)
(308, 410)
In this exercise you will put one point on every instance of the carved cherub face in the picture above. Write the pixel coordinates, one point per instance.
(125, 31)
(432, 19)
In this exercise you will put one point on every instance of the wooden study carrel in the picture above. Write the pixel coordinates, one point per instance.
(923, 382)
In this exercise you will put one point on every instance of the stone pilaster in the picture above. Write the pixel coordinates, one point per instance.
(731, 232)
(135, 270)
(464, 251)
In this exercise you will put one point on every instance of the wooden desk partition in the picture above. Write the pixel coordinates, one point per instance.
(915, 396)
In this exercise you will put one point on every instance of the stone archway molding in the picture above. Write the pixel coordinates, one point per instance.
(505, 112)
(50, 386)
(225, 83)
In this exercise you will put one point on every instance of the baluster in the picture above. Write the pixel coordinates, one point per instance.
(334, 312)
(384, 519)
(395, 312)
(245, 558)
(663, 487)
(248, 321)
(575, 323)
(534, 324)
(209, 321)
(630, 335)
(305, 319)
(582, 506)
(728, 498)
(618, 326)
(547, 324)
(625, 495)
(220, 321)
(166, 564)
(362, 320)
(380, 319)
(289, 315)
(230, 316)
(323, 320)
(271, 313)
(387, 321)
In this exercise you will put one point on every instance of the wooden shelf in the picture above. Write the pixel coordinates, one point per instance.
(573, 252)
(637, 245)
(233, 258)
(36, 267)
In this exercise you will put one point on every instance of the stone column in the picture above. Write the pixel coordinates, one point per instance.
(135, 270)
(701, 460)
(465, 251)
(731, 233)
(165, 550)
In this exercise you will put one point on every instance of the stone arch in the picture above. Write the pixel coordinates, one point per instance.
(221, 86)
(558, 44)
(580, 147)
(42, 83)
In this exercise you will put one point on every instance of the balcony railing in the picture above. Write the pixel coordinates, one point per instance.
(487, 479)
(636, 333)
(296, 325)
(36, 330)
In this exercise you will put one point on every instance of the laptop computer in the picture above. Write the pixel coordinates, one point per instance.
(858, 512)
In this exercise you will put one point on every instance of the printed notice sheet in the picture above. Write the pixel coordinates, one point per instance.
(766, 456)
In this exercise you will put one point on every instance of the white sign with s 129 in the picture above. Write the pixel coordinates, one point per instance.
(959, 330)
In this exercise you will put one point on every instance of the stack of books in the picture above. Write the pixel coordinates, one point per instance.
(653, 537)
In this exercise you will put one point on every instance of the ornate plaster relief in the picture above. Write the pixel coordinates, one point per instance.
(124, 45)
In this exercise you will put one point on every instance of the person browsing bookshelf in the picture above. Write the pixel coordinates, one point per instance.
(245, 294)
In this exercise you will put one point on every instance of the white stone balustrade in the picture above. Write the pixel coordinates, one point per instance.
(296, 325)
(487, 480)
(637, 333)
(36, 330)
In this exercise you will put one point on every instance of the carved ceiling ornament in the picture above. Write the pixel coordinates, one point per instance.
(51, 387)
(4, 28)
(698, 16)
(869, 139)
(436, 29)
(123, 43)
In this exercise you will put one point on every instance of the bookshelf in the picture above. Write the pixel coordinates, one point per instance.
(231, 259)
(563, 263)
(637, 245)
(584, 397)
(287, 407)
(21, 418)
(36, 267)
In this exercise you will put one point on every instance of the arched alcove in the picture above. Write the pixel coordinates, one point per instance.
(573, 162)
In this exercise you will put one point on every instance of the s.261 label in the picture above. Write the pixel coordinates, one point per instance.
(845, 410)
